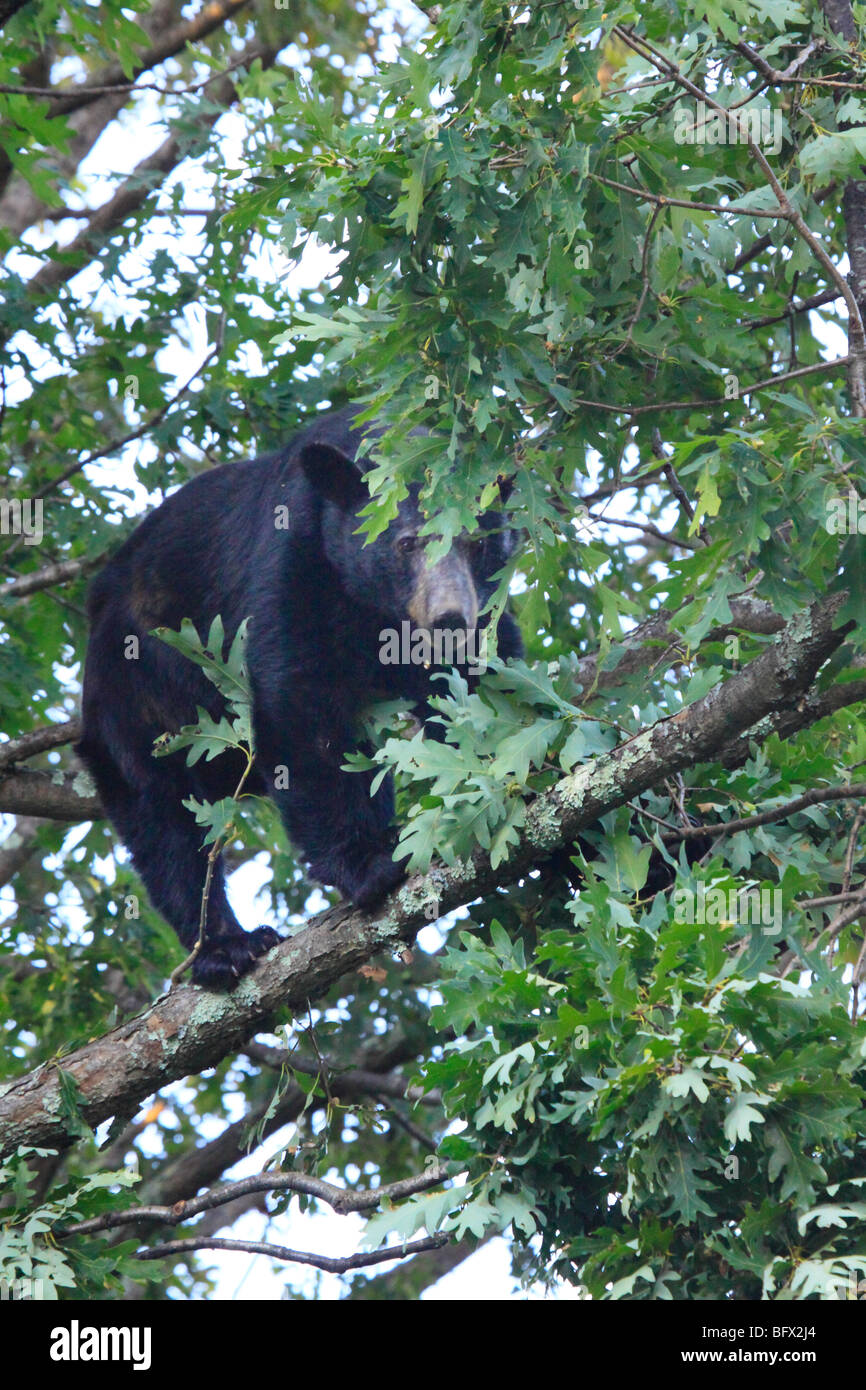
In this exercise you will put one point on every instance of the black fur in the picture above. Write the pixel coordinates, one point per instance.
(317, 598)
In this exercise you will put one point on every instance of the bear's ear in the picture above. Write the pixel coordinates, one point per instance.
(505, 482)
(334, 475)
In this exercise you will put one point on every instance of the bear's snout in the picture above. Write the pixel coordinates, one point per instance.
(445, 596)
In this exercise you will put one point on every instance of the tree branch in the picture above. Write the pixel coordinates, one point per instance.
(789, 808)
(211, 16)
(191, 1029)
(333, 1265)
(147, 175)
(56, 796)
(341, 1199)
(48, 576)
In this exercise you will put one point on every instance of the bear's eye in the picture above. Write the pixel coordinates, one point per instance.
(406, 544)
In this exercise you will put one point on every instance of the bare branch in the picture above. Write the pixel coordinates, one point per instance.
(281, 1252)
(662, 200)
(341, 1199)
(148, 174)
(61, 573)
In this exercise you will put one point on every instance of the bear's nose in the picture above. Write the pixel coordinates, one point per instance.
(452, 620)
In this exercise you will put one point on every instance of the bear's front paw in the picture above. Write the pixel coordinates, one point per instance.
(225, 959)
(381, 875)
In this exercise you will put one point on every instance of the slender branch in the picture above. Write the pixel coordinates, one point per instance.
(342, 1200)
(852, 845)
(788, 808)
(840, 17)
(332, 1265)
(856, 331)
(645, 279)
(807, 904)
(148, 174)
(408, 1281)
(115, 444)
(795, 307)
(773, 76)
(81, 96)
(831, 931)
(662, 200)
(647, 528)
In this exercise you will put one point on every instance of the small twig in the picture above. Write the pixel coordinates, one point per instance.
(414, 1131)
(648, 529)
(644, 285)
(674, 483)
(849, 852)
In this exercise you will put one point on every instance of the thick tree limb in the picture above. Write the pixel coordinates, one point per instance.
(191, 1029)
(61, 796)
(69, 796)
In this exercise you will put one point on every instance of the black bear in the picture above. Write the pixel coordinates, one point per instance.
(272, 539)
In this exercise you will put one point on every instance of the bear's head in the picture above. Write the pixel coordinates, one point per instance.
(391, 574)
